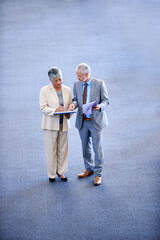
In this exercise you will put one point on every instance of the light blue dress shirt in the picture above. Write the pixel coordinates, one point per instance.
(88, 93)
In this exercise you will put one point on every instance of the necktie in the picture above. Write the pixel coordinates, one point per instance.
(85, 94)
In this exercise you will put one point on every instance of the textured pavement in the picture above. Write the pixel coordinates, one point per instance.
(120, 41)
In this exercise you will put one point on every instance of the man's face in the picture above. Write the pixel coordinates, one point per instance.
(81, 77)
(57, 82)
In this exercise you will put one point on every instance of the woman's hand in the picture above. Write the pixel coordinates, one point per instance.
(97, 107)
(60, 109)
(71, 107)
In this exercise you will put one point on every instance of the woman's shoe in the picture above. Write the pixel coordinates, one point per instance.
(62, 177)
(51, 179)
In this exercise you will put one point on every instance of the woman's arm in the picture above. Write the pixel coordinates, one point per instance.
(44, 105)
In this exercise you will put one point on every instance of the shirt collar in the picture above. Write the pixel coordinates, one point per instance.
(88, 83)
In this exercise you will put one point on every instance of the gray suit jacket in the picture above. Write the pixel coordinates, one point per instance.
(99, 94)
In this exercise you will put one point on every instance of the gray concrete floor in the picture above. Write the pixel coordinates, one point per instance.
(120, 41)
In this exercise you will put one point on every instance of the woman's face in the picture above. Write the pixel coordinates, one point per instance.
(57, 83)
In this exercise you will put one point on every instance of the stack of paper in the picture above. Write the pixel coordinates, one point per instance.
(87, 108)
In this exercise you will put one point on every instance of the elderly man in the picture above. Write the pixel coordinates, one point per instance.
(89, 89)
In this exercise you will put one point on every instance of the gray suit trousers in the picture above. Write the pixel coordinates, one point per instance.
(87, 133)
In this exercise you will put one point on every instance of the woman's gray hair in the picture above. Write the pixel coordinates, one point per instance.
(84, 68)
(54, 72)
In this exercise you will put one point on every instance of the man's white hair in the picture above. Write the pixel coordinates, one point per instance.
(84, 68)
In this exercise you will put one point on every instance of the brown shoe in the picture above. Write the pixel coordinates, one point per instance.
(86, 173)
(97, 181)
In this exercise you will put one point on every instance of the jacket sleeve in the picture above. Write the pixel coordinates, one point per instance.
(75, 99)
(44, 105)
(70, 96)
(104, 96)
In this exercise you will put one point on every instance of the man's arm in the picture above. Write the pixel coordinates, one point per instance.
(74, 101)
(68, 115)
(104, 97)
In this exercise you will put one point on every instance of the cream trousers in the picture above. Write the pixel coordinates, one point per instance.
(56, 148)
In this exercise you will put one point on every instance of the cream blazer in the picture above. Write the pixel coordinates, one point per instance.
(49, 102)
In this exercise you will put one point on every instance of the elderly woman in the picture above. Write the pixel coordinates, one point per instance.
(55, 97)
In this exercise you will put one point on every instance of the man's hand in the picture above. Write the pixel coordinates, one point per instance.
(96, 108)
(71, 107)
(60, 109)
(67, 115)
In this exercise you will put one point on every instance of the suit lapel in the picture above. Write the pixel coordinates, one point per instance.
(80, 93)
(64, 93)
(54, 92)
(92, 89)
